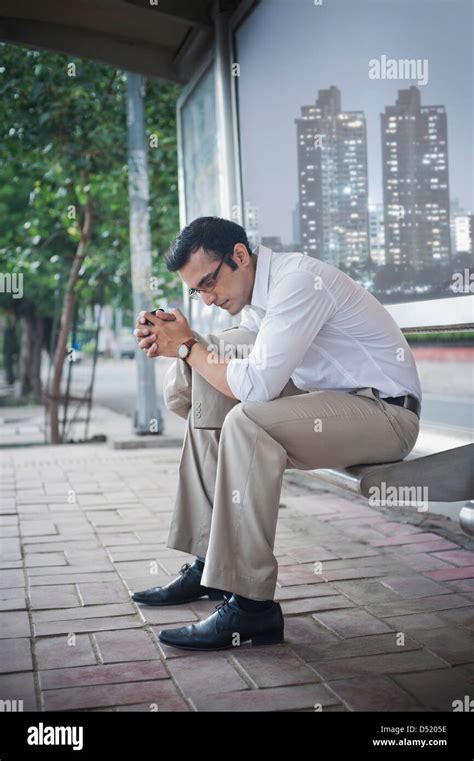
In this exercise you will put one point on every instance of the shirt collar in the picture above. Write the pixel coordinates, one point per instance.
(262, 278)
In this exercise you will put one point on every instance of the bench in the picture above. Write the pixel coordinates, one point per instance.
(447, 476)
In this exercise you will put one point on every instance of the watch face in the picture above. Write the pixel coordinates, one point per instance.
(183, 351)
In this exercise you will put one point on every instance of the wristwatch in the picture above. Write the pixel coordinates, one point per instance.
(184, 349)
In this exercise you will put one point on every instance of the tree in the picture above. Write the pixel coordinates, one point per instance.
(63, 134)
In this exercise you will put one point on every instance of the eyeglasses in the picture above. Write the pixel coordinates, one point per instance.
(208, 283)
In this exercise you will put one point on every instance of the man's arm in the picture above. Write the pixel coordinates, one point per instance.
(215, 369)
(297, 308)
(211, 366)
(166, 331)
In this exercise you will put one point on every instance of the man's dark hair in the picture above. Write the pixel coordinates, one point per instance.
(215, 235)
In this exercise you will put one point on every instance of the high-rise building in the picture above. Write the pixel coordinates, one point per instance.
(295, 218)
(251, 224)
(463, 232)
(415, 182)
(377, 233)
(462, 229)
(332, 181)
(455, 210)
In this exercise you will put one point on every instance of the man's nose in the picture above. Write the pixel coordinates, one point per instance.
(209, 298)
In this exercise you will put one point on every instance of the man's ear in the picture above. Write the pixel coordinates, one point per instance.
(240, 252)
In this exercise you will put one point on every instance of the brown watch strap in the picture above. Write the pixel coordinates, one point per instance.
(189, 343)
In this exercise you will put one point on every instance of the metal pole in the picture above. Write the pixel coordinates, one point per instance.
(225, 134)
(148, 417)
(229, 195)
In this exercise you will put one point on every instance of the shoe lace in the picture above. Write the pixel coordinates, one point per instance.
(184, 568)
(221, 608)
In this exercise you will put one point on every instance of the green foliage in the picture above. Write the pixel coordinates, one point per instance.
(442, 337)
(63, 119)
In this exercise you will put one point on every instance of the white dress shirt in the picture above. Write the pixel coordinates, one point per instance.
(320, 328)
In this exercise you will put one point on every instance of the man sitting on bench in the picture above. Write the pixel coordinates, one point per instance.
(317, 375)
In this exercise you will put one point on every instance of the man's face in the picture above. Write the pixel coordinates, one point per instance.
(233, 289)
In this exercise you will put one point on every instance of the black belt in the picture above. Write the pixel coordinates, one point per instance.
(408, 401)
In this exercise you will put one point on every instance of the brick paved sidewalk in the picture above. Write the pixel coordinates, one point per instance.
(388, 623)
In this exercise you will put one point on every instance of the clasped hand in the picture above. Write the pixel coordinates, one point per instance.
(167, 331)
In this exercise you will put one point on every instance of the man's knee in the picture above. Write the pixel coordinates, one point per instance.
(178, 405)
(232, 342)
(177, 389)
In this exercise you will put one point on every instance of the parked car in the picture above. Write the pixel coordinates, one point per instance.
(127, 344)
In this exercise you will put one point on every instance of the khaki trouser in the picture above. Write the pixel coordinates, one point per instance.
(234, 455)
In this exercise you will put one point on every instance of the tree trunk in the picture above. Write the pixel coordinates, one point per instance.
(35, 364)
(66, 320)
(30, 354)
(10, 349)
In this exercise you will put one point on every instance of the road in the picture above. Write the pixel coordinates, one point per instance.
(115, 387)
(448, 389)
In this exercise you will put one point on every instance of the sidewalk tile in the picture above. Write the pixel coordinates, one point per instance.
(373, 644)
(293, 574)
(424, 561)
(155, 692)
(311, 552)
(415, 621)
(101, 593)
(298, 697)
(15, 578)
(454, 644)
(313, 604)
(459, 616)
(33, 560)
(15, 655)
(406, 606)
(274, 669)
(462, 585)
(387, 663)
(13, 599)
(438, 689)
(116, 673)
(60, 596)
(366, 592)
(456, 557)
(67, 627)
(415, 586)
(20, 688)
(462, 572)
(300, 591)
(64, 652)
(206, 673)
(126, 645)
(72, 578)
(14, 624)
(169, 614)
(374, 693)
(406, 539)
(83, 612)
(301, 630)
(351, 623)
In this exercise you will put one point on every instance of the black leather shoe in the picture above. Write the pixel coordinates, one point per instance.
(229, 626)
(186, 587)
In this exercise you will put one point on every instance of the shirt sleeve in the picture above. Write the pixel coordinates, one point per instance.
(247, 321)
(296, 312)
